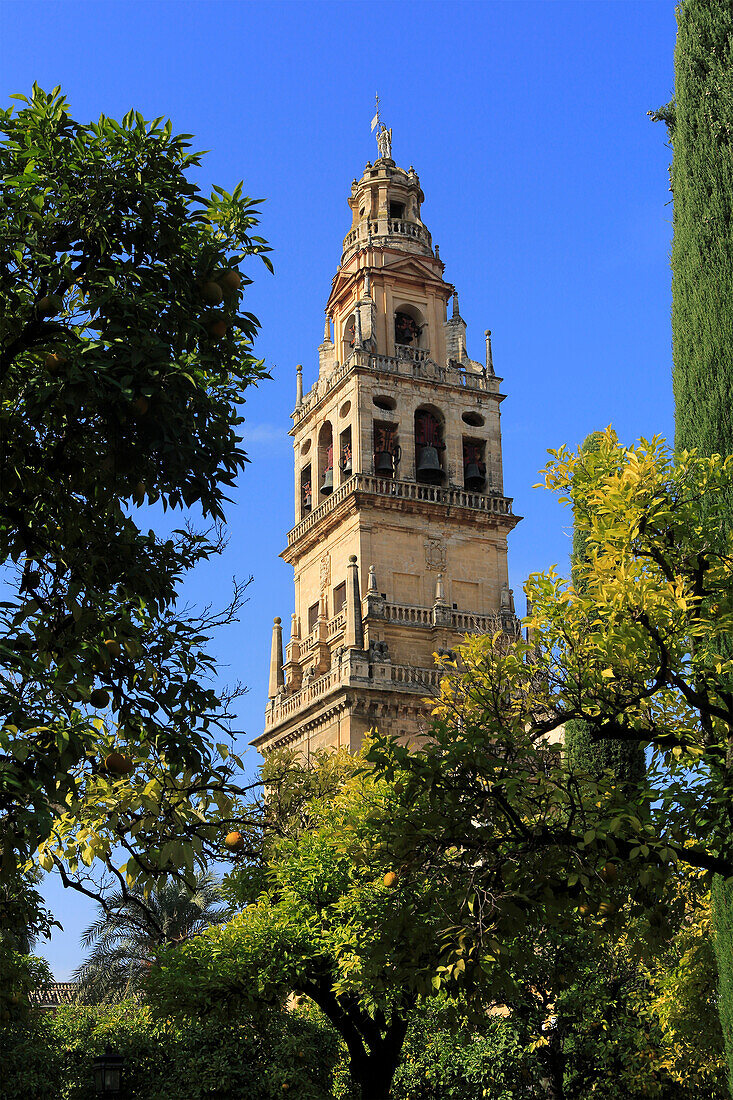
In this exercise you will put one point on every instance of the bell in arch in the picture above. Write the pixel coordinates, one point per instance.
(473, 478)
(474, 469)
(383, 464)
(327, 486)
(428, 466)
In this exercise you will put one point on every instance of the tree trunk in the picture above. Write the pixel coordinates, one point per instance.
(374, 1045)
(555, 1067)
(374, 1075)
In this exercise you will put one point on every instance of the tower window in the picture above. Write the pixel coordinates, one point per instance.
(428, 447)
(396, 210)
(346, 461)
(339, 597)
(386, 449)
(325, 460)
(312, 617)
(349, 336)
(410, 327)
(306, 490)
(474, 465)
(406, 329)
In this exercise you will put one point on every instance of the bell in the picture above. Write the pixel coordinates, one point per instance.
(428, 467)
(346, 464)
(473, 478)
(327, 486)
(383, 464)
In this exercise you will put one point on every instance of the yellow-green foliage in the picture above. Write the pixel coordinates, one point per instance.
(584, 750)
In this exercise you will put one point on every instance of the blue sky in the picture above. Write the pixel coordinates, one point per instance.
(545, 186)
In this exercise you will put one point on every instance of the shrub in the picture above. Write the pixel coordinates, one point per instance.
(252, 1058)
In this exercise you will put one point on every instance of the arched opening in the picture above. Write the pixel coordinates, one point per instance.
(429, 445)
(474, 464)
(410, 328)
(386, 449)
(346, 458)
(349, 337)
(306, 491)
(325, 461)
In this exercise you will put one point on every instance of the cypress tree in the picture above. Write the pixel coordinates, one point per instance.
(583, 750)
(700, 123)
(701, 128)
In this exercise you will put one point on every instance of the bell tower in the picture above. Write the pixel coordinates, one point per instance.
(399, 545)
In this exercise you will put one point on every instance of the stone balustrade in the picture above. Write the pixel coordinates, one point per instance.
(463, 622)
(422, 677)
(286, 705)
(402, 490)
(393, 227)
(417, 680)
(337, 624)
(406, 614)
(413, 355)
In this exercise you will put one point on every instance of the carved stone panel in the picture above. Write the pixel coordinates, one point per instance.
(435, 555)
(325, 571)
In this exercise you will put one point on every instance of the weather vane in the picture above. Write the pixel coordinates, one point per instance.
(384, 136)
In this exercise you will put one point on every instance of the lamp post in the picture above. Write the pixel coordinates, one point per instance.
(107, 1072)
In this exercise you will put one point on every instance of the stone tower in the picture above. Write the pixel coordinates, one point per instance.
(400, 540)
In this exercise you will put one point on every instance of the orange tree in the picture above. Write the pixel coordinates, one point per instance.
(124, 354)
(327, 915)
(331, 912)
(634, 652)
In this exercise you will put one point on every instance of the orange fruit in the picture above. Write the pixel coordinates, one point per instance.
(212, 293)
(230, 281)
(49, 306)
(609, 872)
(217, 328)
(53, 361)
(118, 763)
(113, 648)
(234, 841)
(390, 878)
(138, 493)
(99, 697)
(141, 405)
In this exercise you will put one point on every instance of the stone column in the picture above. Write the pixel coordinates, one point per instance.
(489, 356)
(277, 678)
(441, 611)
(292, 668)
(323, 650)
(354, 632)
(373, 604)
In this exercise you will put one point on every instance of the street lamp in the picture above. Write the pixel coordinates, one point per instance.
(107, 1070)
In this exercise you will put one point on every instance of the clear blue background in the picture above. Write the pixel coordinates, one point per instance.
(546, 188)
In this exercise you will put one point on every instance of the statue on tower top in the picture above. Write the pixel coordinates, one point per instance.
(384, 142)
(384, 136)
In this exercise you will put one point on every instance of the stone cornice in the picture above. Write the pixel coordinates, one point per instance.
(468, 383)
